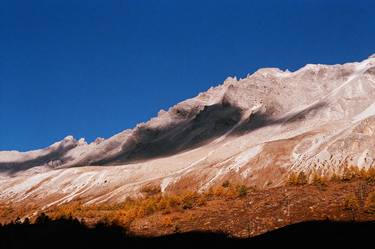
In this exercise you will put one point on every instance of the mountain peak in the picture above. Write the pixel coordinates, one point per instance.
(257, 129)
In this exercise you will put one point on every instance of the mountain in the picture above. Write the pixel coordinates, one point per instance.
(255, 130)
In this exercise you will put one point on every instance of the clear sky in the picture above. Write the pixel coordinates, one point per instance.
(93, 68)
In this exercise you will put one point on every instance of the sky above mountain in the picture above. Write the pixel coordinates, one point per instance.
(93, 68)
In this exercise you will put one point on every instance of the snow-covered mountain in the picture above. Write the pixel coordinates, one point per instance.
(255, 130)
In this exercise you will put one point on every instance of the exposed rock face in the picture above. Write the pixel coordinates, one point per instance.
(254, 129)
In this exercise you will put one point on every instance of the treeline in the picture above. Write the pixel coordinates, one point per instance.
(352, 201)
(348, 173)
(151, 201)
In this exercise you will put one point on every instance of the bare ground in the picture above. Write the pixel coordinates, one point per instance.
(255, 213)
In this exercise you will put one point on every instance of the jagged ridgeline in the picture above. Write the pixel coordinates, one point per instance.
(254, 130)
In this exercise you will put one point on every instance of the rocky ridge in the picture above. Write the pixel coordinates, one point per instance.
(256, 130)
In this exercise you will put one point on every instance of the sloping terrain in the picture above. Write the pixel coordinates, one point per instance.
(217, 217)
(254, 130)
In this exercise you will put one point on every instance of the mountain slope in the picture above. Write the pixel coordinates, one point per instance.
(255, 130)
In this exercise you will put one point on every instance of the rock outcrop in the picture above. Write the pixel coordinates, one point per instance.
(256, 129)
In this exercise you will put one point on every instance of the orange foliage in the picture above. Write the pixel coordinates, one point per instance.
(370, 203)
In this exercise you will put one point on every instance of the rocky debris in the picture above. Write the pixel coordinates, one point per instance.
(255, 130)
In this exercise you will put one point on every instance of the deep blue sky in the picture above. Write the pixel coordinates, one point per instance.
(93, 68)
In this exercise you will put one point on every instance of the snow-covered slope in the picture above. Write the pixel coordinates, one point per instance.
(254, 129)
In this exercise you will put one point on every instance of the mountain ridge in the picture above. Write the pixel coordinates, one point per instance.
(255, 129)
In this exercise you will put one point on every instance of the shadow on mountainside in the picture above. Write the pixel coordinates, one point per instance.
(70, 233)
(259, 120)
(50, 155)
(209, 124)
(196, 130)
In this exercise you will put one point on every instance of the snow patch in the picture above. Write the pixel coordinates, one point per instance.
(368, 112)
(165, 182)
(364, 160)
(245, 157)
